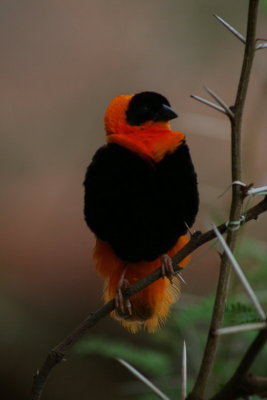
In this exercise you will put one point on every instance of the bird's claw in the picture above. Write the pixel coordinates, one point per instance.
(123, 306)
(167, 267)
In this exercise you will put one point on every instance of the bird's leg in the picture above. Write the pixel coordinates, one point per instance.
(123, 306)
(167, 267)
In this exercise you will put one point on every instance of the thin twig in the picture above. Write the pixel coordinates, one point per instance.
(143, 379)
(57, 354)
(237, 198)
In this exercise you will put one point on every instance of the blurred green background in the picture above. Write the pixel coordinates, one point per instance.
(61, 64)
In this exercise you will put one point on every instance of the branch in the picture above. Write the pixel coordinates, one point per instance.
(57, 354)
(255, 385)
(241, 382)
(237, 199)
(247, 386)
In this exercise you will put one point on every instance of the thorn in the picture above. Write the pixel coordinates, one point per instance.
(208, 103)
(241, 276)
(261, 46)
(240, 328)
(181, 277)
(220, 102)
(143, 379)
(184, 372)
(189, 230)
(231, 29)
(253, 192)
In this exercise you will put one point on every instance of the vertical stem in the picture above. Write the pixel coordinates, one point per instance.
(223, 282)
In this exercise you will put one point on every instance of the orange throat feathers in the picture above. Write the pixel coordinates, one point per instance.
(150, 140)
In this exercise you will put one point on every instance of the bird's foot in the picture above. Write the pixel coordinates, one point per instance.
(167, 267)
(123, 306)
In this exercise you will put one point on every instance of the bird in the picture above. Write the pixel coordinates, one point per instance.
(140, 199)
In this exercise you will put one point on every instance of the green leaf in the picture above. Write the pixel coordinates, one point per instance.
(150, 361)
(239, 313)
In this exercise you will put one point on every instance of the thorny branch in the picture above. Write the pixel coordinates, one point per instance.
(237, 199)
(241, 383)
(58, 353)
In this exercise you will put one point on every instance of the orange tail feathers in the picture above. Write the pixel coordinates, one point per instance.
(151, 306)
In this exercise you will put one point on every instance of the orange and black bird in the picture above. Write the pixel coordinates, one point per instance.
(140, 198)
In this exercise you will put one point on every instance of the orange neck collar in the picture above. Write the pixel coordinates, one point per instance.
(152, 141)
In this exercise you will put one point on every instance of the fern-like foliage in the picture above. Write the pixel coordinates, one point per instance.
(237, 313)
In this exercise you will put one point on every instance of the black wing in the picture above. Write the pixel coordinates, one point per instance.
(139, 207)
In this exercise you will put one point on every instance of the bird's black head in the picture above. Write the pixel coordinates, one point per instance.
(149, 106)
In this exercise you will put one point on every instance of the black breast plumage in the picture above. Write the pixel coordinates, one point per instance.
(140, 207)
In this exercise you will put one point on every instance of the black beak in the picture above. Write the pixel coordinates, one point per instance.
(165, 114)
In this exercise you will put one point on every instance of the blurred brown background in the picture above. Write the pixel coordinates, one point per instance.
(62, 61)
